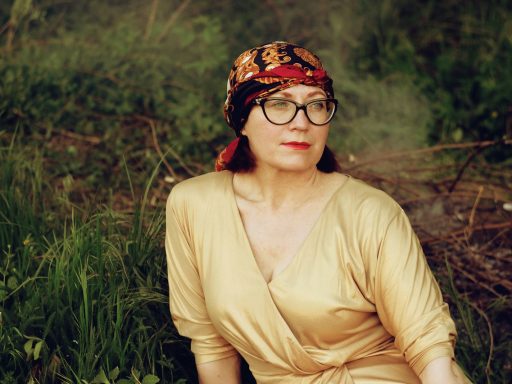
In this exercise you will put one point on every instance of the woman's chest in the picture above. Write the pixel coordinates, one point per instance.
(275, 240)
(324, 284)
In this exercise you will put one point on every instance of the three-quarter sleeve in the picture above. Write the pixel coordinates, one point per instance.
(408, 299)
(187, 303)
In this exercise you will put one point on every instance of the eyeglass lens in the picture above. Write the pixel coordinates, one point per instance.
(279, 111)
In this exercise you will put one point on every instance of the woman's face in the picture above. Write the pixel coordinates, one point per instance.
(295, 146)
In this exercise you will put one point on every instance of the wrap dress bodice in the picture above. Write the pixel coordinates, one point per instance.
(356, 304)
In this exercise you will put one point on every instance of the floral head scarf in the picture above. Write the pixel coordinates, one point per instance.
(261, 71)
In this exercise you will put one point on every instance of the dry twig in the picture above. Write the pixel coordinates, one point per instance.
(491, 339)
(159, 150)
(172, 20)
(463, 168)
(73, 135)
(151, 19)
(471, 220)
(430, 150)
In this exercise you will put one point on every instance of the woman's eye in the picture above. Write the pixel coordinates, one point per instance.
(278, 104)
(317, 105)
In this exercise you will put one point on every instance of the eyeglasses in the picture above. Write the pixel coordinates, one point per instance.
(281, 111)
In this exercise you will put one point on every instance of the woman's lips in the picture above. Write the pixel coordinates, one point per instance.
(299, 145)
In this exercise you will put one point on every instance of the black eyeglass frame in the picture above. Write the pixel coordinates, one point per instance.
(298, 106)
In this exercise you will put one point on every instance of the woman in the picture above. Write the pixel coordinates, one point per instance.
(308, 274)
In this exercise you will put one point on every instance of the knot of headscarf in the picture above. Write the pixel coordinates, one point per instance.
(261, 71)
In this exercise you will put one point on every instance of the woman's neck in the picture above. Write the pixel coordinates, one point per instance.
(275, 189)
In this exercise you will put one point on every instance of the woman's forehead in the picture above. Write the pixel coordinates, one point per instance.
(300, 90)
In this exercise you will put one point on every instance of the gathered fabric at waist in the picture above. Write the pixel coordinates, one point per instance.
(388, 367)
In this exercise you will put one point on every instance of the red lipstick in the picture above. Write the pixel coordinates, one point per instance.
(297, 145)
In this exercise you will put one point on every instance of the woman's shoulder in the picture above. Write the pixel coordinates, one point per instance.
(208, 180)
(201, 188)
(358, 196)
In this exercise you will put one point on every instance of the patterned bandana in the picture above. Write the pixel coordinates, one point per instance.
(261, 71)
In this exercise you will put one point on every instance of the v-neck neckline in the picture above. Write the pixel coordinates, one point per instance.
(247, 244)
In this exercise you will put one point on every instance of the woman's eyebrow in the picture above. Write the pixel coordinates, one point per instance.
(316, 93)
(313, 93)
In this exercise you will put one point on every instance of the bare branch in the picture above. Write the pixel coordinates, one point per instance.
(151, 19)
(172, 20)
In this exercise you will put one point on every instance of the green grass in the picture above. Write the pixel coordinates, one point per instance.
(87, 297)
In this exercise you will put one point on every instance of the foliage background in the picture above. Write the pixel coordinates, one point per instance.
(105, 105)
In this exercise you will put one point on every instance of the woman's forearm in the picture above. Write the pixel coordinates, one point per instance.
(224, 371)
(442, 370)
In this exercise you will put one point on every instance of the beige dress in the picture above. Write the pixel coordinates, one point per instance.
(357, 304)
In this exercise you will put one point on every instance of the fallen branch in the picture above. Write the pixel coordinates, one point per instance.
(473, 279)
(451, 235)
(422, 151)
(463, 168)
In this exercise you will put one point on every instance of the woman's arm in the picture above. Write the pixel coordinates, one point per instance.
(408, 299)
(442, 370)
(224, 371)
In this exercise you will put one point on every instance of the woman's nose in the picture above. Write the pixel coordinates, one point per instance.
(300, 121)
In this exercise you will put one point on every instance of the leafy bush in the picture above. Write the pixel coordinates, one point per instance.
(455, 55)
(107, 86)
